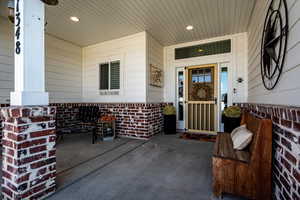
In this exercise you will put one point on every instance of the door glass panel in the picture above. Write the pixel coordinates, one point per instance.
(201, 84)
(224, 93)
(224, 88)
(180, 95)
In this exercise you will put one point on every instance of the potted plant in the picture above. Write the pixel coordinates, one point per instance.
(232, 118)
(169, 112)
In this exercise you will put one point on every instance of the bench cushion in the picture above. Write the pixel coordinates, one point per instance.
(224, 149)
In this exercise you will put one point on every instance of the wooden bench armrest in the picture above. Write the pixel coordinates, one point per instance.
(224, 149)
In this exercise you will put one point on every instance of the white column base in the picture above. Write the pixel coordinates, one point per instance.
(29, 98)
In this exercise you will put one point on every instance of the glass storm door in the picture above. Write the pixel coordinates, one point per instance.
(201, 98)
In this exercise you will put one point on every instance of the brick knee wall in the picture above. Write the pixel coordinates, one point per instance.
(134, 120)
(66, 114)
(29, 157)
(286, 147)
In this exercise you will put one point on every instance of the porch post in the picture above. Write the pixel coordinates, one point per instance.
(29, 156)
(29, 54)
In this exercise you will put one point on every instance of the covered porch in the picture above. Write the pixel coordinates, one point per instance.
(65, 66)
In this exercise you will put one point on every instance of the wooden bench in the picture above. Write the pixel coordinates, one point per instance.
(245, 173)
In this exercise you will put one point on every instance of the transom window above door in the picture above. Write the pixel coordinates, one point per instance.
(109, 75)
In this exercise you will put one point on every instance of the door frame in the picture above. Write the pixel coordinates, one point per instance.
(216, 96)
(228, 64)
(230, 90)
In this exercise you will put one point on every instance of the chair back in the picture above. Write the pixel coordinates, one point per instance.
(89, 113)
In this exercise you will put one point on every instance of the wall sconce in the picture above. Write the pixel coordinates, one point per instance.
(240, 80)
(11, 10)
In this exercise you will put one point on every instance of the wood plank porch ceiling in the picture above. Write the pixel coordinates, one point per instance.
(102, 20)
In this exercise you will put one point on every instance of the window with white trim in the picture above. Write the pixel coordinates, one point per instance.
(109, 75)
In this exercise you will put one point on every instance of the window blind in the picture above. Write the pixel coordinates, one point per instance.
(115, 75)
(104, 75)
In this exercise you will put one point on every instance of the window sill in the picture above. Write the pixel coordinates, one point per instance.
(109, 92)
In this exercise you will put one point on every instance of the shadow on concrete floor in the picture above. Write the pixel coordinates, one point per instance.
(162, 168)
(76, 149)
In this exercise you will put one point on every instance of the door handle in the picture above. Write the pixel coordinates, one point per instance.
(216, 100)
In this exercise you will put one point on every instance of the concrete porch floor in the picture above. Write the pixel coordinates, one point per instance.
(163, 168)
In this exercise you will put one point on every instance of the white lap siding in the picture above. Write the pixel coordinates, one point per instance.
(286, 118)
(63, 67)
(131, 51)
(287, 91)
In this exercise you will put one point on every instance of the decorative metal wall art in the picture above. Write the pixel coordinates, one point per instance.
(156, 76)
(274, 43)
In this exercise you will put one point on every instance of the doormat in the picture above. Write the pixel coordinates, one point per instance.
(199, 137)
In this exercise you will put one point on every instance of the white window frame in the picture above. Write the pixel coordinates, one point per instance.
(109, 66)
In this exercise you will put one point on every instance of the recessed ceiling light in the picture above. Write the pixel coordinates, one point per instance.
(189, 27)
(74, 19)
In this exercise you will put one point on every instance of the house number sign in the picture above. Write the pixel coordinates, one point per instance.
(18, 28)
(274, 43)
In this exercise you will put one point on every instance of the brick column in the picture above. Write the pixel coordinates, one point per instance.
(29, 160)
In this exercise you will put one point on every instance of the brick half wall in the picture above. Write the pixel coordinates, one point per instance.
(286, 147)
(134, 120)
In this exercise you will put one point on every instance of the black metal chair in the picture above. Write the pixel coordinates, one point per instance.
(86, 121)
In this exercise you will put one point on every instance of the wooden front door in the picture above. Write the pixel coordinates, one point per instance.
(201, 98)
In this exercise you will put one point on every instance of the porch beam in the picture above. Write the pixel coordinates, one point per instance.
(29, 54)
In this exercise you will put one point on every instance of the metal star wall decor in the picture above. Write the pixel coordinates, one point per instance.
(274, 43)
